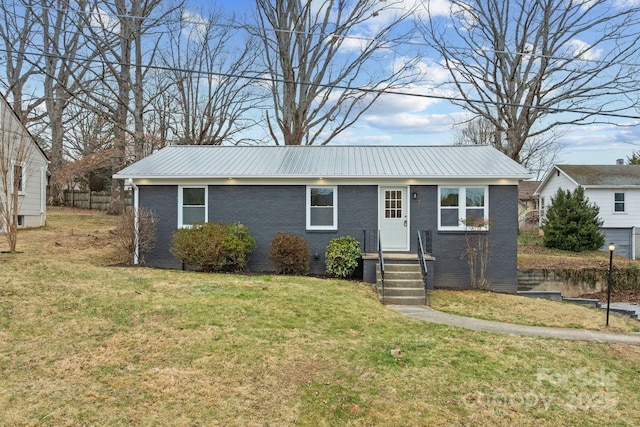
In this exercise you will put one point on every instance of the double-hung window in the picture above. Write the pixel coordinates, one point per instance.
(18, 174)
(322, 208)
(192, 206)
(463, 207)
(618, 202)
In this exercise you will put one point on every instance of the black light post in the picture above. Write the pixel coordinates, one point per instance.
(612, 247)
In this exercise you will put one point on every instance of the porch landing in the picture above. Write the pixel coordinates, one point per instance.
(397, 256)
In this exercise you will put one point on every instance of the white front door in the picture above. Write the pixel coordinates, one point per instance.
(394, 219)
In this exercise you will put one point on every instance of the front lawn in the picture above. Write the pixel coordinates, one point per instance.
(85, 343)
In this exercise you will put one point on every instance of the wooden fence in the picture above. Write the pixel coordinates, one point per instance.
(85, 199)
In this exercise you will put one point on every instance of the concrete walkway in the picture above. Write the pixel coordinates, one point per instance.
(430, 315)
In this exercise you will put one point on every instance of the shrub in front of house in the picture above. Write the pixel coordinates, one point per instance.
(213, 247)
(342, 256)
(290, 254)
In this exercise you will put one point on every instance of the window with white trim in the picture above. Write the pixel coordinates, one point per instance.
(618, 202)
(462, 207)
(322, 208)
(192, 206)
(18, 177)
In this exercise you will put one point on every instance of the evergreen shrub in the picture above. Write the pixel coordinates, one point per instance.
(572, 223)
(213, 247)
(342, 256)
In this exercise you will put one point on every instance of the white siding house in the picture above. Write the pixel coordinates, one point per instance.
(615, 189)
(23, 161)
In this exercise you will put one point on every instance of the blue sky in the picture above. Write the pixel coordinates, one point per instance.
(413, 120)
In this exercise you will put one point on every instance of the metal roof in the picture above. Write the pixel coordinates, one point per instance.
(182, 161)
(603, 175)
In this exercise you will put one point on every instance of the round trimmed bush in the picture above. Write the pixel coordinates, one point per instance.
(342, 256)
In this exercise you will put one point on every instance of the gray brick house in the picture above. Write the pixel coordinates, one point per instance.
(391, 193)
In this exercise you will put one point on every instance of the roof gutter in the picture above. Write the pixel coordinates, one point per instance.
(318, 176)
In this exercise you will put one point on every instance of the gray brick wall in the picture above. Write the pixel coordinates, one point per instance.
(450, 269)
(162, 200)
(269, 209)
(265, 210)
(503, 262)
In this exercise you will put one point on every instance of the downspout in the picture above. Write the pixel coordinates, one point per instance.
(43, 196)
(136, 226)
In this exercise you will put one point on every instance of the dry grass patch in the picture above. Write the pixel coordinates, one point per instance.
(527, 311)
(532, 254)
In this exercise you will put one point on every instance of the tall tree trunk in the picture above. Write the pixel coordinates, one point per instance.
(122, 113)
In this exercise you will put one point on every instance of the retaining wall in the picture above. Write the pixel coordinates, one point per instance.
(548, 280)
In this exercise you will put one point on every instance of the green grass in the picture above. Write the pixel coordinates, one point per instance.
(82, 343)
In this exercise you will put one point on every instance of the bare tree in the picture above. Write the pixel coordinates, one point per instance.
(18, 26)
(475, 131)
(88, 148)
(66, 62)
(536, 154)
(209, 65)
(163, 112)
(323, 76)
(47, 60)
(123, 30)
(15, 156)
(530, 66)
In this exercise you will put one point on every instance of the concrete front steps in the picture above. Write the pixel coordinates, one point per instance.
(403, 284)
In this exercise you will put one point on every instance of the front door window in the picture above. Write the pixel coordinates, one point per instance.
(393, 203)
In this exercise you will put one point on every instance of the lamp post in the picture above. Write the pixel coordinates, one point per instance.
(612, 247)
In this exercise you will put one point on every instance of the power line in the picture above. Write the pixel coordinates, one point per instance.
(250, 28)
(260, 77)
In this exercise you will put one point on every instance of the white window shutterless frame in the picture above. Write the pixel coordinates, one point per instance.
(192, 205)
(322, 207)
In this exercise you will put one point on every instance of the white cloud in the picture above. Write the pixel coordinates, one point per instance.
(583, 50)
(624, 4)
(101, 19)
(390, 104)
(408, 123)
(350, 137)
(425, 8)
(195, 27)
(599, 144)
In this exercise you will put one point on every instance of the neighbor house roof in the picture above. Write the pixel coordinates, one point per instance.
(325, 162)
(526, 190)
(599, 175)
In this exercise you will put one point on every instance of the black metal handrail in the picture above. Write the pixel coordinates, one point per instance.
(423, 265)
(369, 240)
(381, 261)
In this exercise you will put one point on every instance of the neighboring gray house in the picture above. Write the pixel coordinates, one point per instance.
(615, 189)
(322, 192)
(23, 163)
